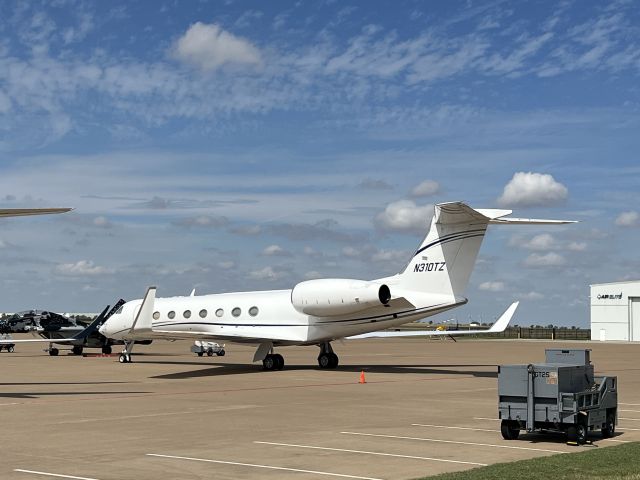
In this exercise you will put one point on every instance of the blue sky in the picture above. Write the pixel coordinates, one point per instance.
(251, 145)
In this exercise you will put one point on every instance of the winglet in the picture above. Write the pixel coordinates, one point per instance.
(142, 322)
(502, 323)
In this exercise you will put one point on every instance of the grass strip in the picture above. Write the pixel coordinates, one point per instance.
(621, 462)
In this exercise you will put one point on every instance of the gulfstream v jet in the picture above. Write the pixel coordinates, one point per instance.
(316, 312)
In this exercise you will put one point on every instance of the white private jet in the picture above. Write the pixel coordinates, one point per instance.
(316, 312)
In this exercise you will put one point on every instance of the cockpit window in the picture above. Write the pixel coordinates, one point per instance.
(119, 311)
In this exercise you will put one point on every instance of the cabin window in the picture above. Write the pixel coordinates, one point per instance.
(171, 314)
(253, 311)
(156, 315)
(236, 312)
(203, 313)
(187, 314)
(219, 312)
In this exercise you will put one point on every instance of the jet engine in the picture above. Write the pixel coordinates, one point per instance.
(338, 296)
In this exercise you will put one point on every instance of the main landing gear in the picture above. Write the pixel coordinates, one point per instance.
(125, 356)
(273, 361)
(327, 358)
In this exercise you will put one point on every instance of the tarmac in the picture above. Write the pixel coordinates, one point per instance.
(428, 406)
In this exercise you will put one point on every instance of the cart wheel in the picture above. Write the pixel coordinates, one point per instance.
(509, 430)
(209, 353)
(582, 434)
(609, 428)
(10, 349)
(200, 354)
(221, 353)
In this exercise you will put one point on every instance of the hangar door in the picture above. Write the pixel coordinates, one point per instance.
(635, 318)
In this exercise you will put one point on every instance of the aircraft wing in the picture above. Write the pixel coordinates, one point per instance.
(21, 212)
(80, 336)
(499, 326)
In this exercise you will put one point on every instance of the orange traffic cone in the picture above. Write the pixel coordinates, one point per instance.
(362, 379)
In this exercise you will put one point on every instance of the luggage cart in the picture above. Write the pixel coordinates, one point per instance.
(200, 348)
(561, 395)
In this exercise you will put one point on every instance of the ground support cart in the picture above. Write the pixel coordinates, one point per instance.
(562, 395)
(200, 348)
(9, 347)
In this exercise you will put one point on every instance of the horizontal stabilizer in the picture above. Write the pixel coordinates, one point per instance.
(499, 326)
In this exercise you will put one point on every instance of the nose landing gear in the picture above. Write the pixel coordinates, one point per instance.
(327, 357)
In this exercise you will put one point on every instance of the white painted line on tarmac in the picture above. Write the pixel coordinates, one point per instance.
(484, 418)
(253, 465)
(47, 474)
(623, 429)
(612, 440)
(634, 419)
(453, 441)
(371, 453)
(455, 428)
(630, 404)
(12, 403)
(623, 410)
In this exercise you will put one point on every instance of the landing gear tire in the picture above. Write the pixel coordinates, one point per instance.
(106, 350)
(279, 361)
(124, 358)
(609, 428)
(53, 352)
(328, 360)
(269, 362)
(273, 361)
(77, 349)
(509, 430)
(577, 433)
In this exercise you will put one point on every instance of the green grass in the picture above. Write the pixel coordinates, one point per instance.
(621, 462)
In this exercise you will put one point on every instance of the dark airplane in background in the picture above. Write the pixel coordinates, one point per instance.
(60, 330)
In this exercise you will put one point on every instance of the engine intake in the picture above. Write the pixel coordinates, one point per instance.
(338, 296)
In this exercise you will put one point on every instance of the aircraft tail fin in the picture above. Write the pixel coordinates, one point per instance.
(443, 262)
(92, 327)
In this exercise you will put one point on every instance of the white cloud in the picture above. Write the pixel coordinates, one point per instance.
(405, 215)
(544, 241)
(209, 47)
(577, 246)
(276, 251)
(425, 189)
(551, 259)
(102, 222)
(226, 265)
(528, 189)
(390, 256)
(81, 268)
(491, 286)
(266, 273)
(628, 219)
(312, 275)
(531, 296)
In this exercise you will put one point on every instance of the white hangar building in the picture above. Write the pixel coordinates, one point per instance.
(615, 311)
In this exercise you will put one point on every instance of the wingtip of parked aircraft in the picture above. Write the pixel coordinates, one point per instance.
(21, 212)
